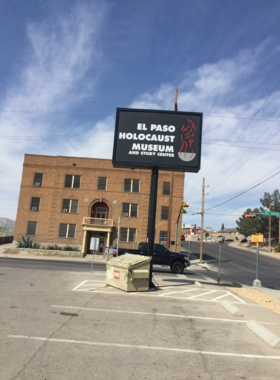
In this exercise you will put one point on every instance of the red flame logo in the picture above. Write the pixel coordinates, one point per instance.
(187, 138)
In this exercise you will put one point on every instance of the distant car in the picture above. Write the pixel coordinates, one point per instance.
(182, 237)
(228, 240)
(244, 241)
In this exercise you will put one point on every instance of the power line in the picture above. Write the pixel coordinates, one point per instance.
(245, 162)
(266, 99)
(242, 192)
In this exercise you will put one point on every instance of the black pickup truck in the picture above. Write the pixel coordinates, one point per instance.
(161, 256)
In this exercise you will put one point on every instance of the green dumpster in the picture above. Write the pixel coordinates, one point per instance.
(129, 272)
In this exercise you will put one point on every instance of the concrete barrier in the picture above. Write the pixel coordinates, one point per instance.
(263, 333)
(232, 309)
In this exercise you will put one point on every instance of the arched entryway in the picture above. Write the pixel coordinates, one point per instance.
(99, 210)
(98, 225)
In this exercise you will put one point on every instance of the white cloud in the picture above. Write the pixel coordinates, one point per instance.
(54, 77)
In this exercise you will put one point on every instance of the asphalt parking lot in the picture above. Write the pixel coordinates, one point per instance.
(65, 325)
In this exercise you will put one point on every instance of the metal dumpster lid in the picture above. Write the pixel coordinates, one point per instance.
(128, 260)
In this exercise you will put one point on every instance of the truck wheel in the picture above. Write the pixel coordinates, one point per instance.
(177, 267)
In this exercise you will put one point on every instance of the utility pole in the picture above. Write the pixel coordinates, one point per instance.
(269, 226)
(202, 221)
(171, 190)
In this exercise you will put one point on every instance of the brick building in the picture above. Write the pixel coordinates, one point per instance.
(68, 200)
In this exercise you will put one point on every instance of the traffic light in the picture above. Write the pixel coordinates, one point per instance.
(250, 216)
(184, 204)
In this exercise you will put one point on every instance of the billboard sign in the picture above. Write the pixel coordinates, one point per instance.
(167, 140)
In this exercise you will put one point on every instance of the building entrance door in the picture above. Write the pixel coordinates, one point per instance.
(101, 244)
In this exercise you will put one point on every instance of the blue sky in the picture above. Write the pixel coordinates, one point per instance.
(65, 66)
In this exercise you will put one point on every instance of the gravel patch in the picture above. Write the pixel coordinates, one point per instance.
(258, 297)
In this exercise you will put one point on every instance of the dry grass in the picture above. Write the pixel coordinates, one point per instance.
(259, 297)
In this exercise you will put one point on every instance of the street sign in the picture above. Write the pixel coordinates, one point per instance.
(273, 213)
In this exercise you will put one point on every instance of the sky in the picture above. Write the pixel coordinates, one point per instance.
(66, 65)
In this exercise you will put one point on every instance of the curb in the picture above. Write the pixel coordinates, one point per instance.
(232, 309)
(197, 283)
(263, 333)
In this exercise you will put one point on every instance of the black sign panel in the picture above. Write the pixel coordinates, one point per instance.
(164, 139)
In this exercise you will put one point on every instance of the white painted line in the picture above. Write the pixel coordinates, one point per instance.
(202, 294)
(78, 286)
(180, 291)
(89, 281)
(156, 314)
(223, 296)
(239, 299)
(146, 294)
(153, 348)
(267, 336)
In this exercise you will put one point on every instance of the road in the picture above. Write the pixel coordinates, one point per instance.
(238, 265)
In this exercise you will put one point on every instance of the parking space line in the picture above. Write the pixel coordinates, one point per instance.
(156, 314)
(153, 348)
(202, 294)
(81, 284)
(224, 295)
(239, 299)
(180, 291)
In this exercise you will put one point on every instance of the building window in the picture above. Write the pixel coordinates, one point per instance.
(102, 183)
(128, 235)
(38, 179)
(130, 209)
(166, 188)
(31, 228)
(35, 204)
(72, 181)
(164, 212)
(131, 185)
(162, 237)
(70, 205)
(67, 230)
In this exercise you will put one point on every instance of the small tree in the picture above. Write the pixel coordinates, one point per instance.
(222, 227)
(251, 226)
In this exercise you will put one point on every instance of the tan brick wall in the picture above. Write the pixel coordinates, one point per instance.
(53, 191)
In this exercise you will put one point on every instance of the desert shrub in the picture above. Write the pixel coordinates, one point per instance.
(277, 248)
(24, 242)
(71, 248)
(53, 247)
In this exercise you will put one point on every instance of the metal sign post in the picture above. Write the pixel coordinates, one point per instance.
(257, 282)
(94, 245)
(189, 250)
(220, 240)
(257, 238)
